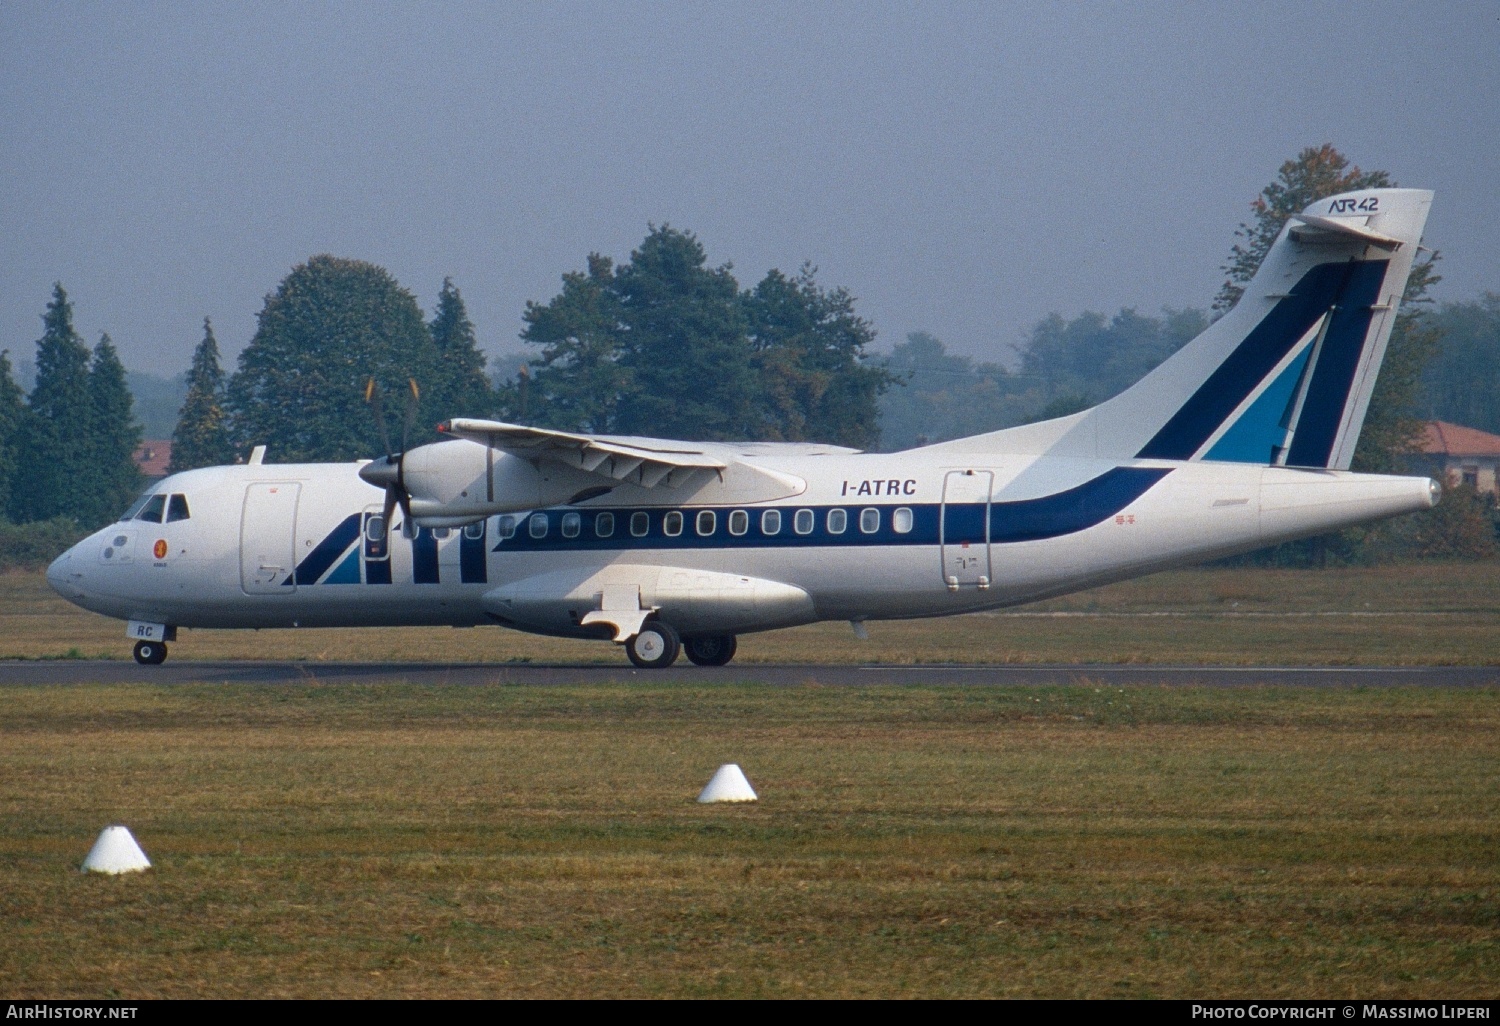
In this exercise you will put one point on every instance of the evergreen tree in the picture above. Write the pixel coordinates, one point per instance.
(330, 326)
(460, 388)
(113, 439)
(55, 443)
(810, 351)
(12, 416)
(684, 344)
(578, 381)
(201, 438)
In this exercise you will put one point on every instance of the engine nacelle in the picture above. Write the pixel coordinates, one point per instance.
(459, 481)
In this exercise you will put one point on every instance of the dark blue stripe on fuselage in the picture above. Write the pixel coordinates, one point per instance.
(471, 556)
(326, 552)
(1049, 516)
(1073, 510)
(1338, 359)
(1254, 358)
(424, 557)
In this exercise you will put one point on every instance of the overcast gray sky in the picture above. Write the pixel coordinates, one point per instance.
(961, 168)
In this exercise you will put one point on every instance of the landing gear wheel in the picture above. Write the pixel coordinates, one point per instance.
(655, 647)
(710, 650)
(150, 653)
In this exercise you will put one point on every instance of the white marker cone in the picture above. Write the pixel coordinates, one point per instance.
(115, 852)
(728, 785)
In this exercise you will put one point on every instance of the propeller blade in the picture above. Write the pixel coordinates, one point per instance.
(410, 414)
(372, 396)
(388, 509)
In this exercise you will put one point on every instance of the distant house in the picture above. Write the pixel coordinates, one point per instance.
(1459, 455)
(154, 457)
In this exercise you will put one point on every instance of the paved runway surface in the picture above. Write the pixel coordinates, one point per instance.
(183, 672)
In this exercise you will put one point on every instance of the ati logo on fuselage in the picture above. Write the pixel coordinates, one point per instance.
(881, 486)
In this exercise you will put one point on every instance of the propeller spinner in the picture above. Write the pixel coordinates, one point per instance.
(388, 472)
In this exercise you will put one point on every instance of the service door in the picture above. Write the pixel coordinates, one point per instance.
(965, 530)
(268, 538)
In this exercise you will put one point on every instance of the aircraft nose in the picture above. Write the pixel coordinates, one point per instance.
(64, 576)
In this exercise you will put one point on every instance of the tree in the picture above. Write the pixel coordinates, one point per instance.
(810, 351)
(55, 447)
(460, 387)
(1315, 173)
(12, 417)
(201, 437)
(579, 380)
(1390, 428)
(113, 439)
(330, 325)
(683, 344)
(666, 345)
(940, 395)
(1459, 385)
(1093, 358)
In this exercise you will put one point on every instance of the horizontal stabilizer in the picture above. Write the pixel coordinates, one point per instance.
(1317, 228)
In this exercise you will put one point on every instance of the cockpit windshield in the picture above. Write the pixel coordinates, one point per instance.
(135, 507)
(155, 509)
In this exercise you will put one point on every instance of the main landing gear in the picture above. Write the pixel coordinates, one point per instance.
(711, 649)
(150, 653)
(657, 645)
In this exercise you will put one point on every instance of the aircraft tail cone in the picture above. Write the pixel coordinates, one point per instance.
(115, 852)
(728, 785)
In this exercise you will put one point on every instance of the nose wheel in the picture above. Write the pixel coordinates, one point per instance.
(655, 647)
(150, 653)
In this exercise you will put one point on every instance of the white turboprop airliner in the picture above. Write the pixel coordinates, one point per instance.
(1241, 439)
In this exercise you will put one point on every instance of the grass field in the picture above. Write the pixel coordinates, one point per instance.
(910, 840)
(1412, 614)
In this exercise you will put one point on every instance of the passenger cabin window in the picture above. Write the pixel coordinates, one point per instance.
(474, 531)
(707, 521)
(770, 522)
(538, 525)
(640, 523)
(572, 523)
(869, 520)
(151, 512)
(671, 524)
(507, 528)
(901, 521)
(802, 523)
(837, 521)
(739, 522)
(441, 532)
(177, 508)
(604, 525)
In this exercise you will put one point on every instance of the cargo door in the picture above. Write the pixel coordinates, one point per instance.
(268, 538)
(964, 535)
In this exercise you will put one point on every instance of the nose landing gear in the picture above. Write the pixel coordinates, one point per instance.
(150, 653)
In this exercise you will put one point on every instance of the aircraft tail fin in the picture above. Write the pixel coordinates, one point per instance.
(1285, 377)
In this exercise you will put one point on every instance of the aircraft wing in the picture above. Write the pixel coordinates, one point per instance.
(643, 461)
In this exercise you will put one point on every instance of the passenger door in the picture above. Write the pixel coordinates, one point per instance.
(268, 538)
(964, 535)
